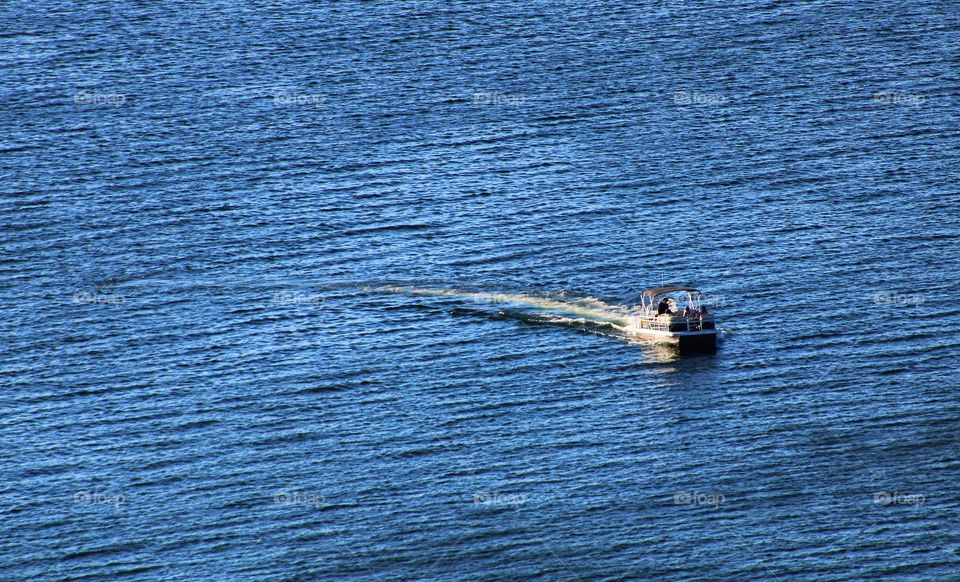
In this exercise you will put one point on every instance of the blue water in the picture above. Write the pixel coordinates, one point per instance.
(315, 291)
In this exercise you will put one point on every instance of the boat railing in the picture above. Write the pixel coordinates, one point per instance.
(652, 322)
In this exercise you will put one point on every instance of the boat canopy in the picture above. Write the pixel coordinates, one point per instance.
(659, 290)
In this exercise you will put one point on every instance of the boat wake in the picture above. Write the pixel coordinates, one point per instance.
(587, 314)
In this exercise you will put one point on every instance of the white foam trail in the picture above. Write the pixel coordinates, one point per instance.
(592, 310)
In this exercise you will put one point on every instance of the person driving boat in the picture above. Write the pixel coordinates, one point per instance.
(663, 307)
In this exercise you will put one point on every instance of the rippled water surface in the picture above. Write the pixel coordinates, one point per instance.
(317, 290)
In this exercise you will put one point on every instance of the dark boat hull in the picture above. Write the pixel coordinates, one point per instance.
(705, 342)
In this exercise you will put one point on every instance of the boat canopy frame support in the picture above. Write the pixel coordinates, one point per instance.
(648, 300)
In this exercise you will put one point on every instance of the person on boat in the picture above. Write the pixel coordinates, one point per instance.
(663, 307)
(687, 312)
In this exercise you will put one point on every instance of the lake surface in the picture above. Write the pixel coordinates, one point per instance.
(311, 291)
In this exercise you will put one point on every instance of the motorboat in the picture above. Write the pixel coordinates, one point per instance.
(674, 315)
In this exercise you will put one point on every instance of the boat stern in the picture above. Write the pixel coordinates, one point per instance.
(703, 341)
